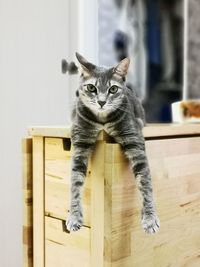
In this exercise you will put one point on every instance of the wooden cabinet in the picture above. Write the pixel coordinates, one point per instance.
(112, 235)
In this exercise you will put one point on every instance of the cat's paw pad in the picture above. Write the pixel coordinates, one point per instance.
(150, 223)
(74, 223)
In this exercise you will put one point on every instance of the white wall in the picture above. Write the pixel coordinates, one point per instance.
(88, 29)
(33, 91)
(34, 36)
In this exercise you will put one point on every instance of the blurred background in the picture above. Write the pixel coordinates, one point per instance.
(36, 36)
(151, 34)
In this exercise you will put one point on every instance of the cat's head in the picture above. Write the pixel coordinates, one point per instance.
(102, 90)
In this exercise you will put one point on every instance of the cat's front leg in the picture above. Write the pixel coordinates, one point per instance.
(83, 147)
(133, 145)
(134, 149)
(78, 173)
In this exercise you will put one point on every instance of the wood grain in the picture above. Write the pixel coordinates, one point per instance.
(149, 131)
(38, 202)
(97, 205)
(63, 249)
(27, 202)
(175, 168)
(57, 181)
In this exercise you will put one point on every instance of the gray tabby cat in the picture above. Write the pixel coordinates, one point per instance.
(104, 102)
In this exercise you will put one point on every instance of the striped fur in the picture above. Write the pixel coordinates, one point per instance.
(122, 117)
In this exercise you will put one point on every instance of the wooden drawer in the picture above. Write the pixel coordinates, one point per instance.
(112, 235)
(71, 249)
(57, 180)
(63, 249)
(76, 248)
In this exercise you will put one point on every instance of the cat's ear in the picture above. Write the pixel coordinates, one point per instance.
(86, 67)
(122, 68)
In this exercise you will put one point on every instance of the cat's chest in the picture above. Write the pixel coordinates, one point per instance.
(123, 128)
(113, 128)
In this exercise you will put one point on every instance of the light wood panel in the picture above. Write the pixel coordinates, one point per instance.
(57, 181)
(97, 205)
(38, 202)
(176, 183)
(27, 203)
(63, 249)
(149, 131)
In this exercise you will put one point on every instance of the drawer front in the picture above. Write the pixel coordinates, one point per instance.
(57, 180)
(85, 247)
(63, 249)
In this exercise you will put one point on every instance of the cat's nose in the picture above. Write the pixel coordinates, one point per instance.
(101, 103)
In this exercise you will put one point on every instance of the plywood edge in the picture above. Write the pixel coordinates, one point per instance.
(57, 131)
(50, 131)
(27, 202)
(97, 206)
(149, 131)
(173, 129)
(38, 201)
(27, 144)
(108, 223)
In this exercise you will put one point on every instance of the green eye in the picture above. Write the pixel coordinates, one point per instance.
(113, 89)
(91, 88)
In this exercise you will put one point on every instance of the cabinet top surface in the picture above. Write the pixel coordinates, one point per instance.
(149, 131)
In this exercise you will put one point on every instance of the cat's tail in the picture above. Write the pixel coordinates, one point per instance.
(71, 67)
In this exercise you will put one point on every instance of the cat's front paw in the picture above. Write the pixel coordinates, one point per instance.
(150, 223)
(74, 223)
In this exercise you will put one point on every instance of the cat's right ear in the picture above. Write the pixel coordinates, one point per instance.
(86, 68)
(122, 68)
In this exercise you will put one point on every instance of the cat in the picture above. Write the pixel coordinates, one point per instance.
(105, 103)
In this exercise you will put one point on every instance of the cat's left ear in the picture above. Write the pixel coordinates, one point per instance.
(122, 68)
(86, 67)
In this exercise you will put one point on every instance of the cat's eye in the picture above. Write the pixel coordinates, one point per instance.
(113, 89)
(91, 88)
